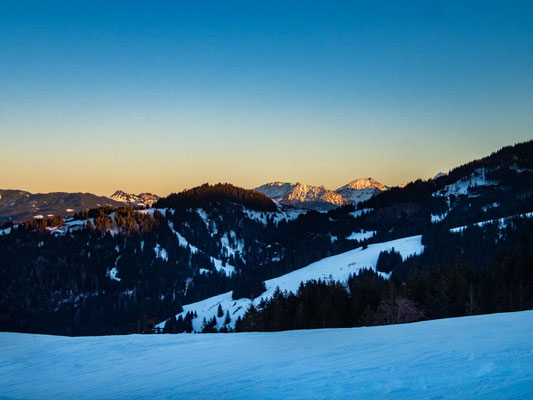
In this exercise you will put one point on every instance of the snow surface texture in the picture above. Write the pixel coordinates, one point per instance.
(480, 357)
(334, 268)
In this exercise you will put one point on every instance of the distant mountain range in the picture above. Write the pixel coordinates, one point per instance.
(318, 197)
(19, 205)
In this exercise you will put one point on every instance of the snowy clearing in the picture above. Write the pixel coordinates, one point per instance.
(360, 236)
(334, 268)
(481, 357)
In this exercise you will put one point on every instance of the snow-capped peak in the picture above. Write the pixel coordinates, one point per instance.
(360, 190)
(364, 183)
(318, 197)
(299, 194)
(143, 199)
(276, 190)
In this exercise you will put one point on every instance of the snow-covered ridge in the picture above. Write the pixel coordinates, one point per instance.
(299, 194)
(306, 193)
(478, 357)
(361, 190)
(142, 199)
(276, 190)
(366, 183)
(334, 268)
(318, 197)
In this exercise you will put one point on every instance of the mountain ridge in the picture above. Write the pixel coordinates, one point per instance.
(20, 205)
(320, 198)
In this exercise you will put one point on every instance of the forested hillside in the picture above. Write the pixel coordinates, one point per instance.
(118, 270)
(478, 270)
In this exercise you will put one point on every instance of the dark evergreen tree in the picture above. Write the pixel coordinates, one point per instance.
(388, 260)
(247, 286)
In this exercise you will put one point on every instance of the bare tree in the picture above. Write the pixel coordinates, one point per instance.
(398, 311)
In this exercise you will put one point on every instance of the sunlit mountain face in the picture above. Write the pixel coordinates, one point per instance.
(320, 198)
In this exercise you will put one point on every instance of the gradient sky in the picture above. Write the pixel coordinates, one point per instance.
(160, 96)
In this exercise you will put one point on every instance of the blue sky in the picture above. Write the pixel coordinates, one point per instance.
(159, 96)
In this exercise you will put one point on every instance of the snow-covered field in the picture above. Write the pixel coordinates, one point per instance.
(481, 357)
(334, 268)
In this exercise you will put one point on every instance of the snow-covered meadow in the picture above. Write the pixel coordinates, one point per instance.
(481, 357)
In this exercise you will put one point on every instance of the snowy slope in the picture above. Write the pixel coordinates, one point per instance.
(464, 186)
(481, 357)
(337, 268)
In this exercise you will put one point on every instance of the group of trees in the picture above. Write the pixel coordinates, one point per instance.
(62, 284)
(368, 300)
(125, 220)
(261, 247)
(42, 223)
(206, 195)
(132, 222)
(481, 270)
(247, 286)
(180, 324)
(388, 261)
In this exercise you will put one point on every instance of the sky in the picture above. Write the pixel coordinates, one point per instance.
(160, 96)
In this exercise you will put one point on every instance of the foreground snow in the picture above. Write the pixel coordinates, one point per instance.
(482, 357)
(334, 268)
